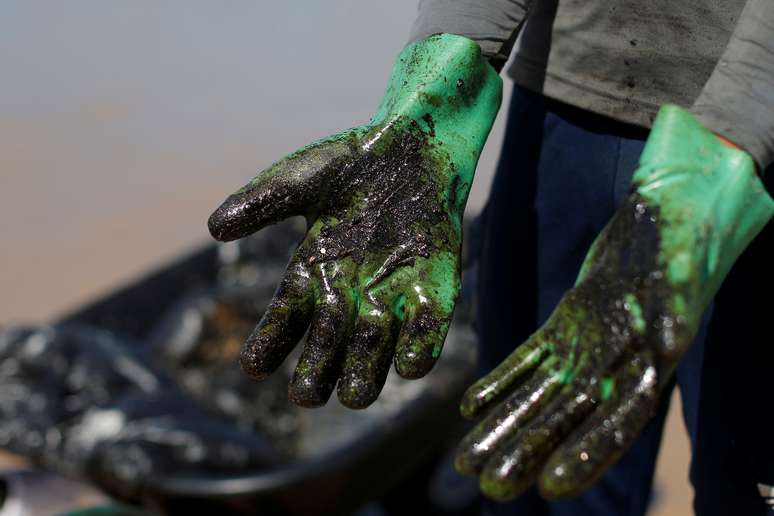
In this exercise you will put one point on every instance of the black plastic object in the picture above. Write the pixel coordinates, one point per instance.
(336, 459)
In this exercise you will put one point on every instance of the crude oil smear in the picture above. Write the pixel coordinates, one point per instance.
(576, 394)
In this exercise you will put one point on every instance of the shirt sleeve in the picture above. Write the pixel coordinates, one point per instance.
(737, 101)
(493, 24)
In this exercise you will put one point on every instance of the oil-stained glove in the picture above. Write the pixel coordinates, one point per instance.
(377, 274)
(570, 400)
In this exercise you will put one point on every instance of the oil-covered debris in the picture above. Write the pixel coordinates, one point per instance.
(199, 341)
(121, 412)
(82, 401)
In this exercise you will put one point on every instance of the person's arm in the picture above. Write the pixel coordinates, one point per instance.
(738, 100)
(493, 24)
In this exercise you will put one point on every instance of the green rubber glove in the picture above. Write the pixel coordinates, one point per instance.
(571, 399)
(378, 273)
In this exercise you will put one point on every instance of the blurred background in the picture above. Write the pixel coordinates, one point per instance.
(124, 123)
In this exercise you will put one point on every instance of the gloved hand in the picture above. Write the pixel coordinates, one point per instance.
(378, 272)
(571, 399)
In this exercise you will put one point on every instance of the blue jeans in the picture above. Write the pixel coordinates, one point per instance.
(562, 174)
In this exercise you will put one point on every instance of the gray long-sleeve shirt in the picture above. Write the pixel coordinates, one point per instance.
(624, 59)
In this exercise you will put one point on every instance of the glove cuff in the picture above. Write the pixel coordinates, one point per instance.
(443, 85)
(708, 195)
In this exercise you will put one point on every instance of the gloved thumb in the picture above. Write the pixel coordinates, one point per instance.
(295, 185)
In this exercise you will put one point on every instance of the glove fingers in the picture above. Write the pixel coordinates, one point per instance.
(291, 186)
(491, 388)
(421, 338)
(368, 357)
(504, 421)
(318, 367)
(516, 466)
(630, 398)
(282, 325)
